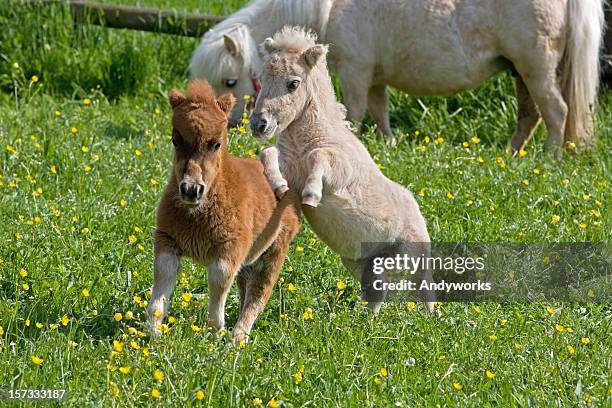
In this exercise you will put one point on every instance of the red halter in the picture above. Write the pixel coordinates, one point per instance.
(256, 88)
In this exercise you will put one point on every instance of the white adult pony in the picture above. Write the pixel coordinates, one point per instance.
(228, 56)
(432, 47)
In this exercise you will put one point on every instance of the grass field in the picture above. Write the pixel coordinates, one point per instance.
(85, 152)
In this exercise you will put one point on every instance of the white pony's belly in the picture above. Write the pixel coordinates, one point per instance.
(345, 227)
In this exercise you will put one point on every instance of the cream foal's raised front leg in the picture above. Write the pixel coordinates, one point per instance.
(320, 163)
(269, 159)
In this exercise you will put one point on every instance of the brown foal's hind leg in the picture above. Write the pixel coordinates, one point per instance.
(259, 287)
(528, 117)
(221, 275)
(261, 281)
(241, 282)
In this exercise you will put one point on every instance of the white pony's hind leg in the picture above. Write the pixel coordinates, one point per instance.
(355, 85)
(554, 111)
(378, 106)
(544, 88)
(528, 117)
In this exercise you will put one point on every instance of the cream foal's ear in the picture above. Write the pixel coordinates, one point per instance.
(314, 54)
(269, 45)
(176, 98)
(226, 102)
(231, 45)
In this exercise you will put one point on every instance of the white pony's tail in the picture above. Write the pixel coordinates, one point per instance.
(580, 68)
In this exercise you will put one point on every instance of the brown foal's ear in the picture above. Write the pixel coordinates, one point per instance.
(176, 98)
(314, 54)
(226, 102)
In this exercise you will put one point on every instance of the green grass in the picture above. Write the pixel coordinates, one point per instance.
(74, 234)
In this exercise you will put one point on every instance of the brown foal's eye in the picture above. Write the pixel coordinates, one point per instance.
(215, 146)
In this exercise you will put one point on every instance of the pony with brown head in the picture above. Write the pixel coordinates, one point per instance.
(220, 211)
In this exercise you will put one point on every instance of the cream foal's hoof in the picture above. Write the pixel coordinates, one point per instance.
(311, 200)
(239, 338)
(280, 192)
(154, 332)
(391, 141)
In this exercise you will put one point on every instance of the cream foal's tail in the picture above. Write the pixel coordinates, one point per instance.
(580, 68)
(290, 203)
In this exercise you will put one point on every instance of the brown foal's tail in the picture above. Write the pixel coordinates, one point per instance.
(288, 209)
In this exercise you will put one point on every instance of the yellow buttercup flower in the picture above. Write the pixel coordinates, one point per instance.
(118, 316)
(340, 285)
(155, 393)
(86, 101)
(125, 370)
(118, 346)
(37, 360)
(158, 375)
(308, 314)
(490, 374)
(457, 386)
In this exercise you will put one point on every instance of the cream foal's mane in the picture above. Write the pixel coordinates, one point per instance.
(320, 87)
(294, 39)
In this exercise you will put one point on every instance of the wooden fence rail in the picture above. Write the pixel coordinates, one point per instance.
(143, 19)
